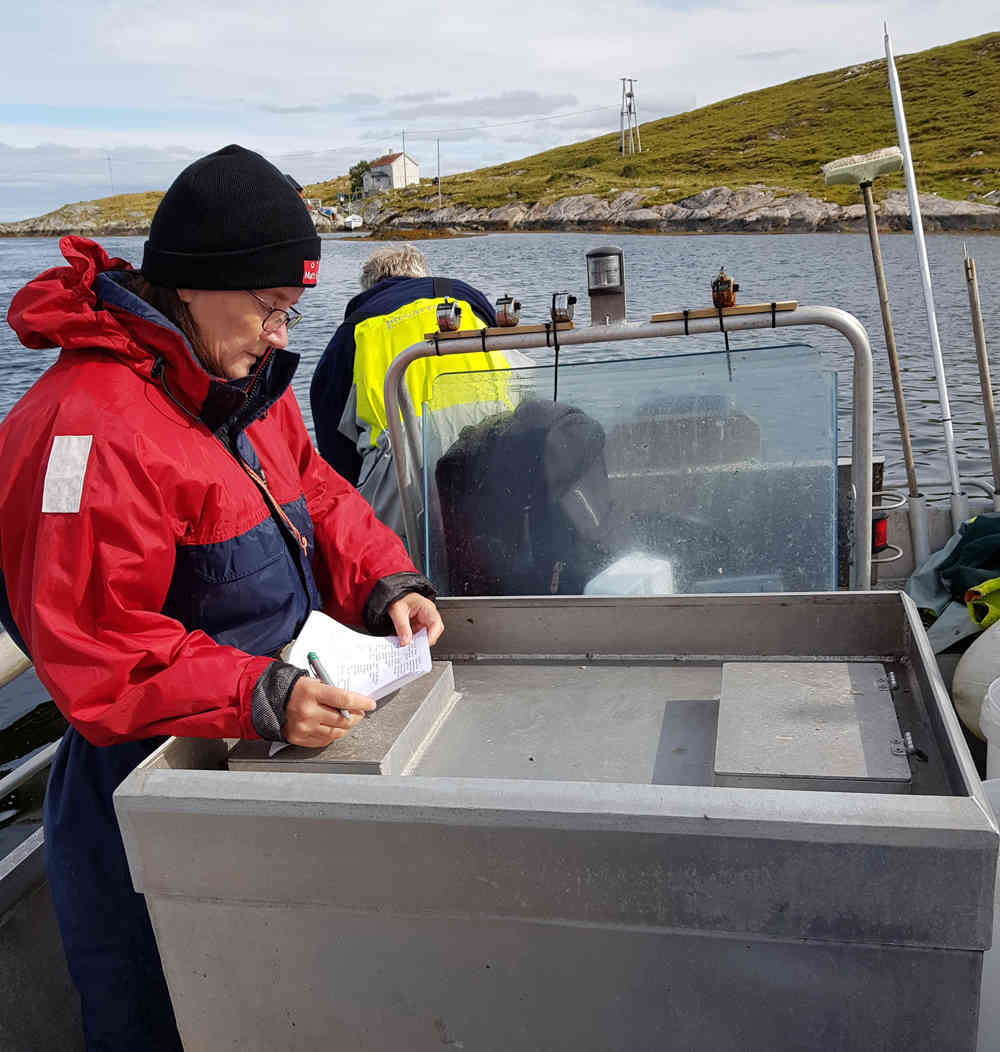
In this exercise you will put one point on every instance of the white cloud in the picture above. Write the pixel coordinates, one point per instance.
(323, 87)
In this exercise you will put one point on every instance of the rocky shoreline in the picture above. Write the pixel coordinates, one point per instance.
(85, 219)
(750, 210)
(718, 210)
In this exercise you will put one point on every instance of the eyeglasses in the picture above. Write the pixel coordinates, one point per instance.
(276, 316)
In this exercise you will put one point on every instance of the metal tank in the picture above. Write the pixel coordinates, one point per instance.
(554, 863)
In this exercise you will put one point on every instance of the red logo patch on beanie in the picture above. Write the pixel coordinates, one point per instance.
(310, 271)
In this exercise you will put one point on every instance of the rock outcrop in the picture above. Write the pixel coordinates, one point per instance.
(752, 209)
(87, 219)
(939, 213)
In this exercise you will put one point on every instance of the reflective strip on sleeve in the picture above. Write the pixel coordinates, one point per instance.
(64, 475)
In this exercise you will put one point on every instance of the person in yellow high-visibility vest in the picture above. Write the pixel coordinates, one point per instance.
(396, 309)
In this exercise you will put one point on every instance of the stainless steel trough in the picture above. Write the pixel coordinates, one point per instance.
(554, 868)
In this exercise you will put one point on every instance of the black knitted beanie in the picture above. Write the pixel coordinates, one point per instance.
(231, 220)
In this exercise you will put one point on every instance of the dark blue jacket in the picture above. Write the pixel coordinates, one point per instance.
(334, 375)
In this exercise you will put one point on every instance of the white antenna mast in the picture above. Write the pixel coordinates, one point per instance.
(958, 502)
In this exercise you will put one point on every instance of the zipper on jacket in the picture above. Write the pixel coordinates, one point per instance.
(271, 500)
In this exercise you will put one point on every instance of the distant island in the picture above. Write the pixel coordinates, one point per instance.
(750, 164)
(718, 210)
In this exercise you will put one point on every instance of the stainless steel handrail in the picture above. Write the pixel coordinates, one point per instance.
(966, 483)
(28, 769)
(404, 439)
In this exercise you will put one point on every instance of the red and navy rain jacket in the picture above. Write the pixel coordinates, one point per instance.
(141, 567)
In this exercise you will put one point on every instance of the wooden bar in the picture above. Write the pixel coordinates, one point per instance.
(498, 330)
(713, 312)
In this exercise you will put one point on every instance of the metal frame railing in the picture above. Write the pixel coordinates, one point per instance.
(28, 769)
(404, 426)
(24, 866)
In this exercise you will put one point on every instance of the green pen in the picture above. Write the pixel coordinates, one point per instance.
(324, 677)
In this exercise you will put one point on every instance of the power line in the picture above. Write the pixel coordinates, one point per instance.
(315, 155)
(425, 132)
(318, 155)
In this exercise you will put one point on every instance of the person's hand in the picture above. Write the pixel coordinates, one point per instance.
(413, 612)
(312, 715)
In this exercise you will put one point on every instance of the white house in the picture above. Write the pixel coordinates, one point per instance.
(392, 171)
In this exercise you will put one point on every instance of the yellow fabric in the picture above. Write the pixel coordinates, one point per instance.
(378, 340)
(983, 602)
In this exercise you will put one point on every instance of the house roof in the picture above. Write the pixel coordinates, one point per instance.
(379, 161)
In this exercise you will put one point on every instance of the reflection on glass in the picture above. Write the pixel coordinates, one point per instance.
(648, 476)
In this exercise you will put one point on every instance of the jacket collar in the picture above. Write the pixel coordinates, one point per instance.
(85, 306)
(362, 298)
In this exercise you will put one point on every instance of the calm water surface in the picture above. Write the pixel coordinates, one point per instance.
(666, 273)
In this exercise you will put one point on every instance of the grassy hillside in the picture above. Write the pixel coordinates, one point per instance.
(778, 136)
(125, 209)
(781, 136)
(329, 190)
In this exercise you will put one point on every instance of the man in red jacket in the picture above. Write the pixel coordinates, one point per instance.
(165, 528)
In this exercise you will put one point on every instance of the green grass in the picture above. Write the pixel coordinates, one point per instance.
(781, 137)
(329, 190)
(126, 208)
(778, 136)
(121, 212)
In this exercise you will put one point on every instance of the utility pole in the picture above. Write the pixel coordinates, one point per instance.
(629, 118)
(439, 172)
(404, 157)
(111, 178)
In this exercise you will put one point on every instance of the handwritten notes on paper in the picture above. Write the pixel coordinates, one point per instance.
(371, 665)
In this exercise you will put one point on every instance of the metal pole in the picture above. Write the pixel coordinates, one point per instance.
(984, 374)
(406, 452)
(28, 769)
(890, 339)
(635, 117)
(621, 122)
(631, 110)
(958, 502)
(439, 172)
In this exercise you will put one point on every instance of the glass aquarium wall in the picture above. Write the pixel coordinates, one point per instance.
(709, 472)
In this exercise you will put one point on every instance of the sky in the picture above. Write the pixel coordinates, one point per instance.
(117, 97)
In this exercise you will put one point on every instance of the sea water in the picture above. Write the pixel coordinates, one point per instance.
(670, 273)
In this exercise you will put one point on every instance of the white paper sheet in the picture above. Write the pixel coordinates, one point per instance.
(371, 665)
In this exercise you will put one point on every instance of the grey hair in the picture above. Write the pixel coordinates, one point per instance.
(403, 261)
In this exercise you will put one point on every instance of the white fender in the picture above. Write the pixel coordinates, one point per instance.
(12, 660)
(989, 724)
(976, 670)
